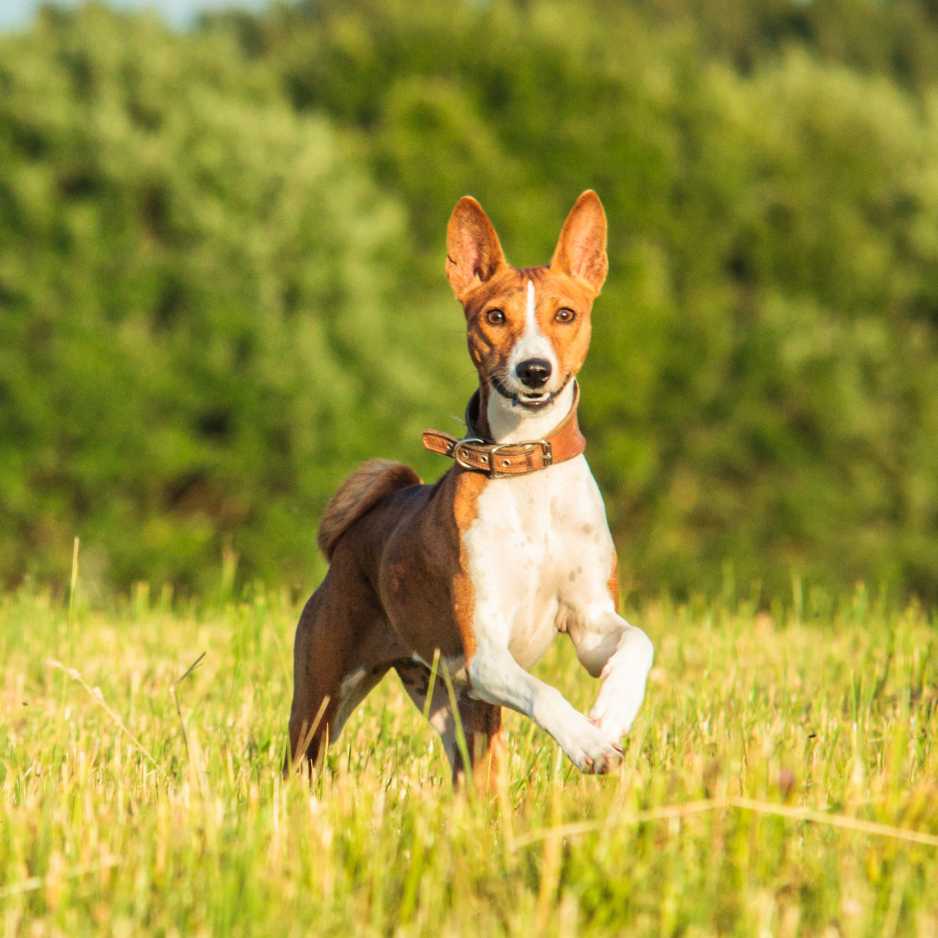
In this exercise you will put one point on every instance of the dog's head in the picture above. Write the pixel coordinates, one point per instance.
(528, 328)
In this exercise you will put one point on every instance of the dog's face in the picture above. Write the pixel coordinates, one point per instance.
(528, 328)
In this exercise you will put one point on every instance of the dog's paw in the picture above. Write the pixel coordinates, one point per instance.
(593, 750)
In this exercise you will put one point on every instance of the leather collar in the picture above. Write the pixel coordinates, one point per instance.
(497, 460)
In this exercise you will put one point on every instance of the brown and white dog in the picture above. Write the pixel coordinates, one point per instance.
(509, 548)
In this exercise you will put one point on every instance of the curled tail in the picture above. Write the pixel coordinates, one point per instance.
(358, 494)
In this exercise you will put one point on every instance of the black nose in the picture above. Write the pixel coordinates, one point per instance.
(534, 372)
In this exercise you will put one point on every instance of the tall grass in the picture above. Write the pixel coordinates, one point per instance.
(782, 779)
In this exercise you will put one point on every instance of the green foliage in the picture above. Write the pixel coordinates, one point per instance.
(123, 815)
(195, 283)
(221, 252)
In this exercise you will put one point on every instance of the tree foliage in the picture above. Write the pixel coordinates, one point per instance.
(221, 254)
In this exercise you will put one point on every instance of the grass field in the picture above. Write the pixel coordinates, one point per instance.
(782, 779)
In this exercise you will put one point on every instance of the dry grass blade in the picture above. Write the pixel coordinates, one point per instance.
(843, 821)
(688, 809)
(38, 882)
(182, 723)
(191, 668)
(98, 698)
(306, 737)
(577, 828)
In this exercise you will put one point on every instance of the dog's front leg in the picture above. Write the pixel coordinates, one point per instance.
(495, 677)
(620, 654)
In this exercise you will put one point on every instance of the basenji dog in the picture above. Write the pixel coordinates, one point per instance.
(479, 572)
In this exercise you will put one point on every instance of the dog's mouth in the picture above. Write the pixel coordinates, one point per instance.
(529, 400)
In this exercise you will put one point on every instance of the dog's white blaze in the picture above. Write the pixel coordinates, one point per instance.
(540, 556)
(533, 343)
(530, 311)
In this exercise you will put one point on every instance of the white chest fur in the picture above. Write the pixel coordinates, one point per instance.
(540, 556)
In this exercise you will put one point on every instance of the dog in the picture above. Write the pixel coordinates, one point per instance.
(476, 574)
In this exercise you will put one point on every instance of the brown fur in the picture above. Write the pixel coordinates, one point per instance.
(358, 494)
(397, 585)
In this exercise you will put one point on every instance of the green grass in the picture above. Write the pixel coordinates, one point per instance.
(124, 815)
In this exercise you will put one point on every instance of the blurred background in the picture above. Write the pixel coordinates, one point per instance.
(221, 254)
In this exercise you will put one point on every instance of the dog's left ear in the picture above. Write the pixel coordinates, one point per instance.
(581, 247)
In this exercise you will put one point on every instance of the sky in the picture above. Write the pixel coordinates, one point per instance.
(17, 13)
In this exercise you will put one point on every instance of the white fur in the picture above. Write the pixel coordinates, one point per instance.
(540, 557)
(512, 423)
(532, 343)
(440, 714)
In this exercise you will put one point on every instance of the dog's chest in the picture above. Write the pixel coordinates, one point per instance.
(539, 554)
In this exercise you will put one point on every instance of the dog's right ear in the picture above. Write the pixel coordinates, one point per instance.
(473, 253)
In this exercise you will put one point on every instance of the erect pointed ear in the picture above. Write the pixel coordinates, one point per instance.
(473, 253)
(581, 247)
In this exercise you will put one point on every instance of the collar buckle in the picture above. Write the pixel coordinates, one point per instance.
(460, 456)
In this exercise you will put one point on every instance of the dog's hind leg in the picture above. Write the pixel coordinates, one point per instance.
(481, 724)
(343, 648)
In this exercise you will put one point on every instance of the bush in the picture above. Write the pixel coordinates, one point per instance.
(221, 276)
(194, 283)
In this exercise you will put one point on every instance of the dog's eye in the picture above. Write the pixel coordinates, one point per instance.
(495, 317)
(565, 315)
